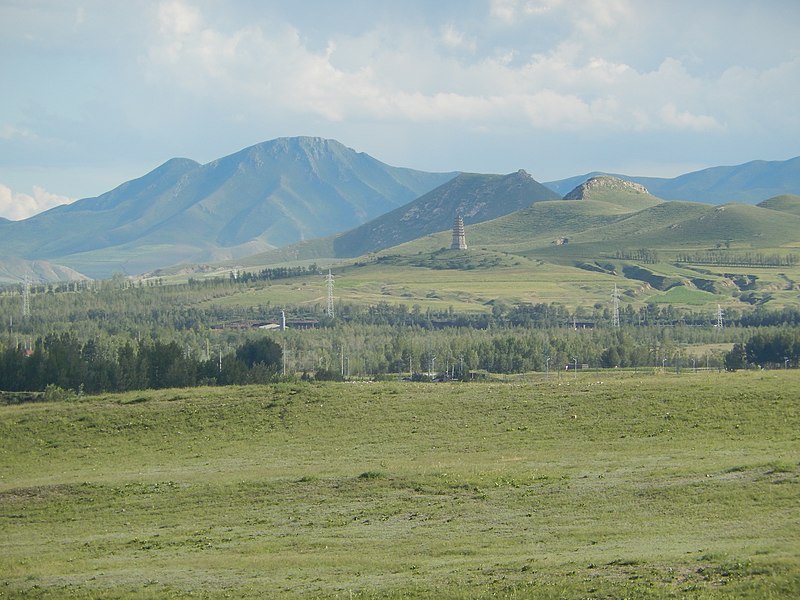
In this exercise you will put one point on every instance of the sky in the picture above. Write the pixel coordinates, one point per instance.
(98, 92)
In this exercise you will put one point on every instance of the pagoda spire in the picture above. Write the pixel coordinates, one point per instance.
(459, 237)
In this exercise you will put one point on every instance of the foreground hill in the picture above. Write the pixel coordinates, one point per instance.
(748, 183)
(268, 195)
(582, 485)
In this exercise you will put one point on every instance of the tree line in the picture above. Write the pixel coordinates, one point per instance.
(766, 350)
(64, 362)
(121, 337)
(738, 259)
(643, 255)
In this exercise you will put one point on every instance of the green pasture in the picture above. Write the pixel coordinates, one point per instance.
(418, 279)
(587, 485)
(515, 259)
(685, 296)
(515, 279)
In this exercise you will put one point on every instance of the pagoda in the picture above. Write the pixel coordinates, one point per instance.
(459, 238)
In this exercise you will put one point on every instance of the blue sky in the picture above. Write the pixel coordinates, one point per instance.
(98, 92)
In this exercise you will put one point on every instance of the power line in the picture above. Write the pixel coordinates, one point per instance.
(329, 286)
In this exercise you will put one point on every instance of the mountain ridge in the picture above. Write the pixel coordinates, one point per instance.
(263, 196)
(286, 191)
(748, 183)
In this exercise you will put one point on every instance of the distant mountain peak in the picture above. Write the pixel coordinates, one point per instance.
(267, 195)
(604, 183)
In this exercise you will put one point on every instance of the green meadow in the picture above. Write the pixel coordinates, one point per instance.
(574, 253)
(579, 485)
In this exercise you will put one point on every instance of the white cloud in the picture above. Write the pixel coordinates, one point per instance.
(395, 74)
(457, 40)
(17, 206)
(176, 18)
(197, 78)
(512, 10)
(682, 119)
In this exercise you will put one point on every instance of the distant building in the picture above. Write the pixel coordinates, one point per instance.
(278, 324)
(459, 237)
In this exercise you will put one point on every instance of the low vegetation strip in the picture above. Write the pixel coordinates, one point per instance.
(661, 486)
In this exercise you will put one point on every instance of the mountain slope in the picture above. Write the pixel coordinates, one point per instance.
(786, 203)
(264, 196)
(14, 270)
(748, 183)
(689, 224)
(475, 197)
(588, 228)
(544, 223)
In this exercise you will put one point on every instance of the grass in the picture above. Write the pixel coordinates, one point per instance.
(515, 259)
(684, 296)
(596, 486)
(517, 279)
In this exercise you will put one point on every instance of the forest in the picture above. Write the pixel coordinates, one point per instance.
(118, 337)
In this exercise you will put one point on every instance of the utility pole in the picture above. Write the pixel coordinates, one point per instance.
(615, 302)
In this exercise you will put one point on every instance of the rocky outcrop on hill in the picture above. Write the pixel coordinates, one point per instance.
(603, 184)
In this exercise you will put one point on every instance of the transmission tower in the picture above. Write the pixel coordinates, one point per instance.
(329, 287)
(719, 317)
(26, 298)
(615, 302)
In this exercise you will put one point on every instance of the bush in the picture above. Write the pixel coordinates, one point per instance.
(54, 393)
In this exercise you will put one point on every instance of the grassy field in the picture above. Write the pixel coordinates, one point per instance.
(589, 486)
(516, 279)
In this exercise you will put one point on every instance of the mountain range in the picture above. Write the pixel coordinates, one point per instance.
(262, 197)
(748, 183)
(310, 197)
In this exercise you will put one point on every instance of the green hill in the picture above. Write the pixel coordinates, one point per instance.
(544, 223)
(475, 197)
(789, 203)
(748, 183)
(684, 224)
(572, 250)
